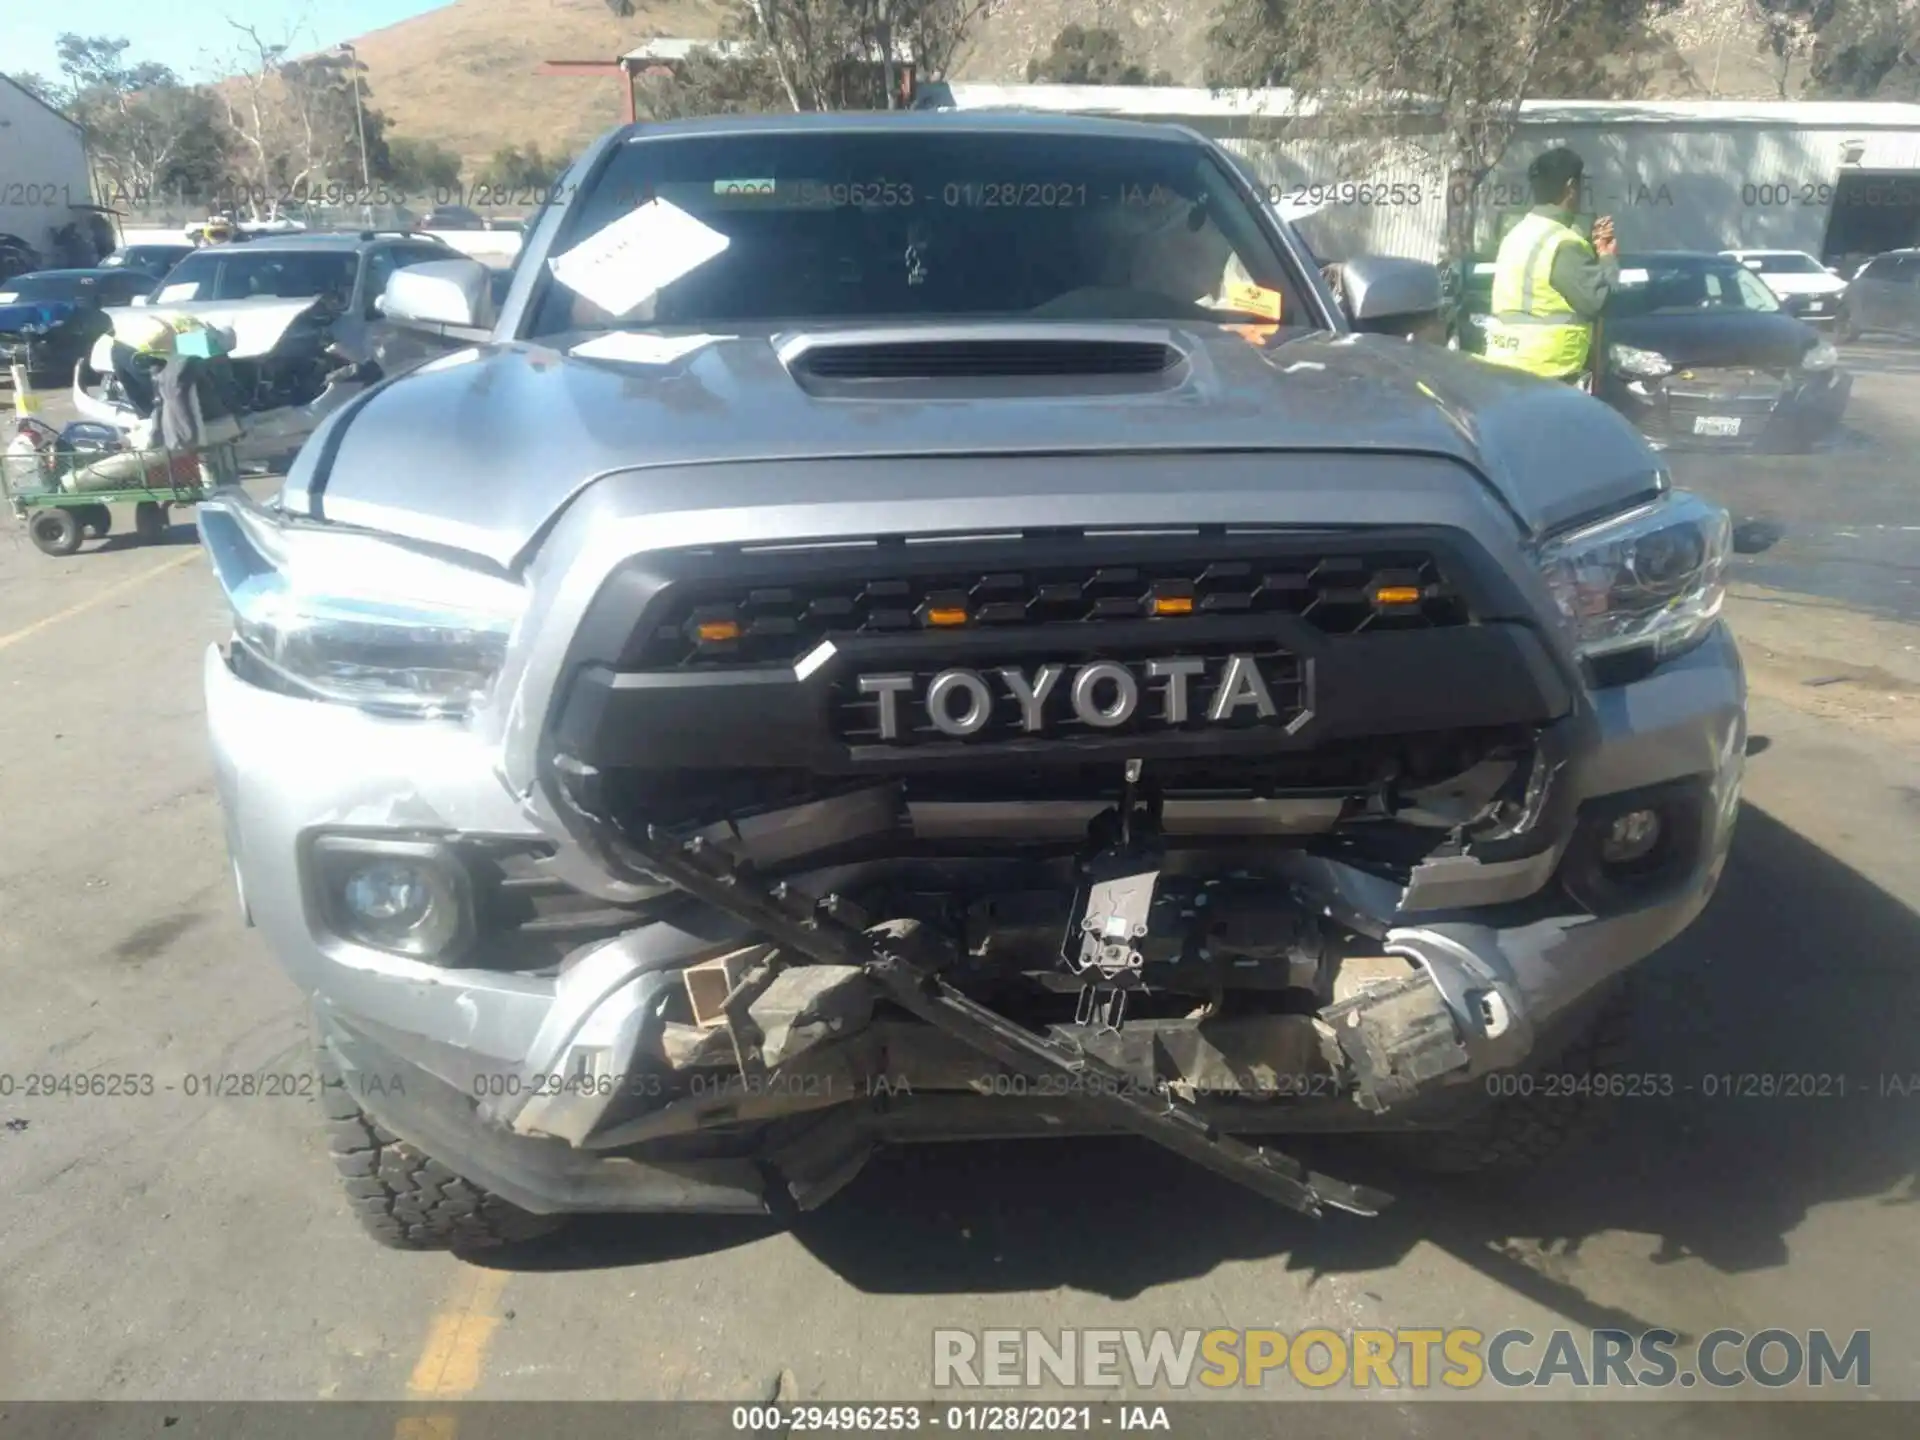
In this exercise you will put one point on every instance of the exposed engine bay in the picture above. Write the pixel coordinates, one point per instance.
(1168, 976)
(279, 371)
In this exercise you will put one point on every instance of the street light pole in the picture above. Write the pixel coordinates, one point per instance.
(360, 123)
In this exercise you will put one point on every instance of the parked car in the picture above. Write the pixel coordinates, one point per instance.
(296, 296)
(49, 319)
(1700, 352)
(149, 259)
(453, 217)
(1884, 298)
(897, 666)
(1805, 288)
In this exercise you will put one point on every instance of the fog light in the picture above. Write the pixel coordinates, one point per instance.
(389, 894)
(1631, 837)
(405, 897)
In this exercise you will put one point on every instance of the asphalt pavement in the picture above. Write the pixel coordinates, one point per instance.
(1849, 514)
(174, 1245)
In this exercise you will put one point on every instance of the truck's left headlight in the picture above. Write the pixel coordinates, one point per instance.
(1653, 578)
(353, 617)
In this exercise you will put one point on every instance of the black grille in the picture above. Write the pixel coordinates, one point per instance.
(856, 717)
(1741, 392)
(960, 359)
(1336, 593)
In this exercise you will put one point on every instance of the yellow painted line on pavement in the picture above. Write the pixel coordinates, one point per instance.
(98, 598)
(455, 1352)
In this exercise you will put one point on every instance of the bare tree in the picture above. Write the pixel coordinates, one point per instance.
(296, 123)
(256, 120)
(1459, 68)
(845, 54)
(145, 129)
(1871, 50)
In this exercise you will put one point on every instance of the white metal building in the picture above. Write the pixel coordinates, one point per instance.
(1836, 179)
(43, 168)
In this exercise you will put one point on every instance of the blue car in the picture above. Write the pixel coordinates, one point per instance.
(49, 319)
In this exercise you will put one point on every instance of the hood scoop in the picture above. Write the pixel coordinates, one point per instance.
(983, 353)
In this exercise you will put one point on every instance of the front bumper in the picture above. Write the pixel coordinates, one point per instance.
(524, 1080)
(1807, 409)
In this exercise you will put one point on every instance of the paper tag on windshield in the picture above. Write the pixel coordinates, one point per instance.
(637, 256)
(1251, 299)
(7, 297)
(1633, 277)
(631, 349)
(183, 291)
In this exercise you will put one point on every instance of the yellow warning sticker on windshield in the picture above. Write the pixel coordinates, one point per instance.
(1251, 299)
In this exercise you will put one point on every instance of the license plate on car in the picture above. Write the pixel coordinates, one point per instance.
(1716, 424)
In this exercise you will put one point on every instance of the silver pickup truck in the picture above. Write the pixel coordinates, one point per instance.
(929, 627)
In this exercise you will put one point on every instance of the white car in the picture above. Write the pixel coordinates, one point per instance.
(1804, 287)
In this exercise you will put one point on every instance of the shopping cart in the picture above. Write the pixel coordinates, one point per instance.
(62, 484)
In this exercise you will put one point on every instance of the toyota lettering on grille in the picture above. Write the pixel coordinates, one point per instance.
(1103, 695)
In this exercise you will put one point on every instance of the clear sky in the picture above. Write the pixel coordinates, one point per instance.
(192, 36)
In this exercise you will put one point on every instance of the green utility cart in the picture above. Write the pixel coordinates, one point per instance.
(63, 487)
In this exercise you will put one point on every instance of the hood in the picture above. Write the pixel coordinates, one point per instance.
(19, 314)
(257, 325)
(1769, 342)
(479, 449)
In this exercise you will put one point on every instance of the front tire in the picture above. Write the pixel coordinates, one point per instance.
(55, 531)
(1523, 1131)
(405, 1199)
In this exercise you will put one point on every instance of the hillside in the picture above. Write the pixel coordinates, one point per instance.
(466, 75)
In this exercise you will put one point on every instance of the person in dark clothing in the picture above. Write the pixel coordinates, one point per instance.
(135, 375)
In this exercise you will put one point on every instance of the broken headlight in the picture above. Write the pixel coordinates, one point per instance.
(353, 617)
(1643, 364)
(1653, 578)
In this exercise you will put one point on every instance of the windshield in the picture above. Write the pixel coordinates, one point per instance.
(43, 287)
(234, 273)
(146, 256)
(1786, 265)
(867, 227)
(1655, 286)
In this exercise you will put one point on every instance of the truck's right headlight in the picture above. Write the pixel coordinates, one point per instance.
(353, 617)
(1653, 578)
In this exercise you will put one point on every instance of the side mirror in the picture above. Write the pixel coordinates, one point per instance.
(1390, 295)
(1833, 269)
(440, 292)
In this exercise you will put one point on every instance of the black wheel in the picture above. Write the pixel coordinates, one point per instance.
(149, 522)
(98, 519)
(55, 531)
(1524, 1130)
(406, 1200)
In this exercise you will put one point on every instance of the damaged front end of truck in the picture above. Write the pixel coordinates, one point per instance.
(1258, 926)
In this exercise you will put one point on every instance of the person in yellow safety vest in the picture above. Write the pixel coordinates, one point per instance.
(1550, 282)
